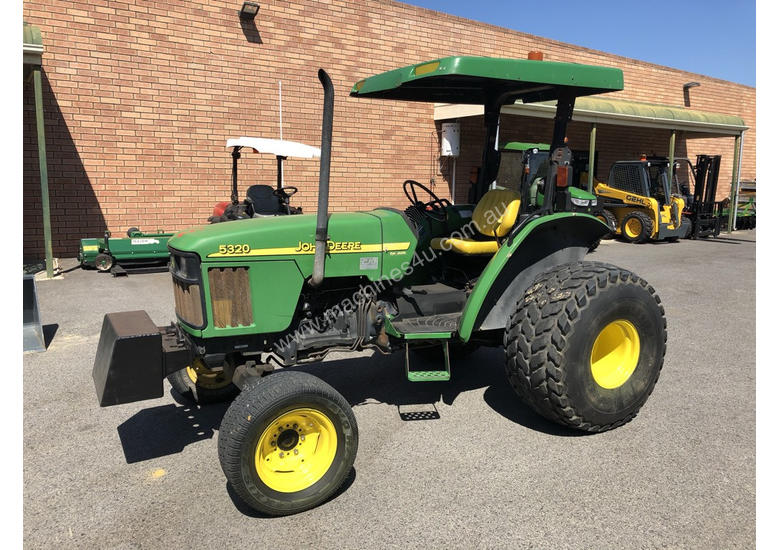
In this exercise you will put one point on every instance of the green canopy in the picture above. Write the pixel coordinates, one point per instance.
(524, 146)
(477, 80)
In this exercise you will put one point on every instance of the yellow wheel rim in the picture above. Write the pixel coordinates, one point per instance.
(633, 228)
(296, 450)
(204, 377)
(615, 354)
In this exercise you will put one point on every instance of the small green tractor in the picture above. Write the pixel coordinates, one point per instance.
(583, 342)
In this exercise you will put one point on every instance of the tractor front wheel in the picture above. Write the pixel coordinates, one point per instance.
(586, 344)
(636, 227)
(202, 384)
(287, 443)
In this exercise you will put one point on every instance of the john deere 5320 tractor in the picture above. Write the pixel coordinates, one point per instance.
(584, 342)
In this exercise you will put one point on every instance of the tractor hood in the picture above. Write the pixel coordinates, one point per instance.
(267, 236)
(354, 247)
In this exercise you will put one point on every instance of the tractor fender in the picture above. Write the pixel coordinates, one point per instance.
(541, 244)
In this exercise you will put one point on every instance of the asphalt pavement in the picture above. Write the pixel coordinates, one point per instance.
(488, 473)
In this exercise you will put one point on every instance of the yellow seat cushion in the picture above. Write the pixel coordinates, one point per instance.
(496, 212)
(465, 246)
(494, 216)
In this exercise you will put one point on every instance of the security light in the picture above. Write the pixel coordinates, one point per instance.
(690, 85)
(248, 11)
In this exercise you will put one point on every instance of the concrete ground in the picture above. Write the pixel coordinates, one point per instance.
(488, 473)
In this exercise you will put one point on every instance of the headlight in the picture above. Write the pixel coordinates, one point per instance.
(580, 202)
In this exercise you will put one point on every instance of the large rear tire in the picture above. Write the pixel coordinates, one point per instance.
(586, 344)
(287, 443)
(636, 227)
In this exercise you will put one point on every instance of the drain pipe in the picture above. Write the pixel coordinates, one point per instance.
(321, 233)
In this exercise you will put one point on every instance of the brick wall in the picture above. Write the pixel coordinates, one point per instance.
(140, 97)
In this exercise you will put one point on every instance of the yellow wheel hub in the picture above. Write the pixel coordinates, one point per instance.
(633, 228)
(204, 377)
(615, 354)
(296, 450)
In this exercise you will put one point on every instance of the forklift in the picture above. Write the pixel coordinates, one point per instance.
(583, 342)
(701, 208)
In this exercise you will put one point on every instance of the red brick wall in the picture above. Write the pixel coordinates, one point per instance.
(141, 95)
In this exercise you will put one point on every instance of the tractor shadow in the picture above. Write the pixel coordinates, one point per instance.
(167, 429)
(381, 378)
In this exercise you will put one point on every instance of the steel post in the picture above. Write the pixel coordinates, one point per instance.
(670, 169)
(591, 156)
(43, 171)
(735, 174)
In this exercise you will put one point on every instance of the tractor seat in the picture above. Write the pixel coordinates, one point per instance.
(494, 216)
(264, 201)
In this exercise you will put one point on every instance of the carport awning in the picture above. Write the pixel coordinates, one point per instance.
(616, 112)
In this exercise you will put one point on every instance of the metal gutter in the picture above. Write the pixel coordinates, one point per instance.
(600, 116)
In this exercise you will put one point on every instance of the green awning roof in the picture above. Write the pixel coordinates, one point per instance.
(474, 80)
(32, 45)
(617, 112)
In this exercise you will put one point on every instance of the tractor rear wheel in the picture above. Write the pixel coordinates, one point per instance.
(586, 344)
(636, 227)
(287, 443)
(203, 385)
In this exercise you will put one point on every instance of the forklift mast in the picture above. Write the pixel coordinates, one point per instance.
(705, 212)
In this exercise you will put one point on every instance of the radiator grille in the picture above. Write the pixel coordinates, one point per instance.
(231, 303)
(187, 299)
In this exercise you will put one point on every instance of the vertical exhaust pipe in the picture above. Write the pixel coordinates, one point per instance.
(321, 233)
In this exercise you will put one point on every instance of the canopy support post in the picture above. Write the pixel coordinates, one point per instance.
(591, 156)
(670, 168)
(736, 172)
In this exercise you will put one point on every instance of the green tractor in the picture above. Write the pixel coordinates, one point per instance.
(584, 342)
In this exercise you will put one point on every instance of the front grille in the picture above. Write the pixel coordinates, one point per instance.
(187, 291)
(188, 305)
(231, 301)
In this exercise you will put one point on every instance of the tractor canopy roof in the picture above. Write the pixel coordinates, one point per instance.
(278, 147)
(482, 80)
(524, 146)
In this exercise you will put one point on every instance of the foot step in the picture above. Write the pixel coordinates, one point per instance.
(430, 375)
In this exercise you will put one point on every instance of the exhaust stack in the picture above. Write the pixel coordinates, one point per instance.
(321, 233)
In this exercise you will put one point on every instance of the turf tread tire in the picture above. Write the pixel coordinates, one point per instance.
(536, 338)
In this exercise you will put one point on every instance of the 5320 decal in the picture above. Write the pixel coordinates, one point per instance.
(234, 249)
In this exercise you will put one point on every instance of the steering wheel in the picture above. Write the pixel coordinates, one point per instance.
(434, 209)
(286, 192)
